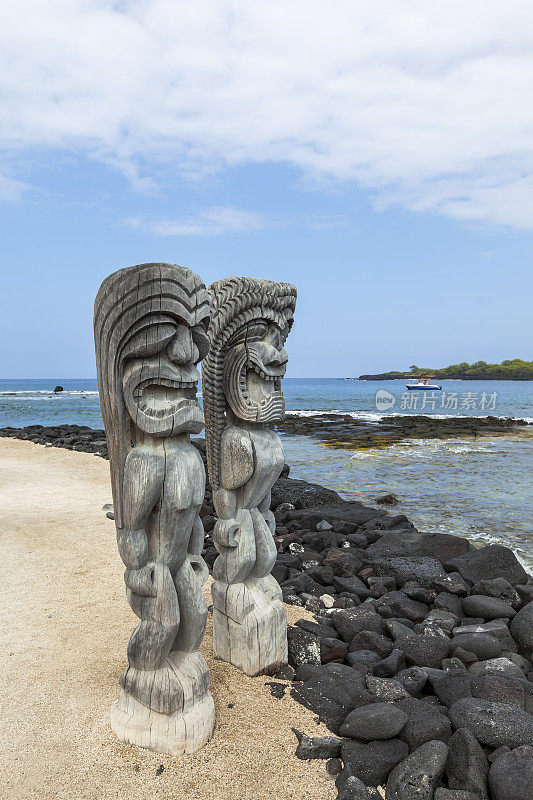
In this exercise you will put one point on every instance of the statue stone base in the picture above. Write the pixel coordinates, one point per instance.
(184, 730)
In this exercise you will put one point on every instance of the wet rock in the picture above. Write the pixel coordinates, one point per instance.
(478, 605)
(522, 630)
(493, 724)
(317, 746)
(304, 647)
(467, 766)
(387, 500)
(416, 777)
(372, 762)
(511, 775)
(485, 563)
(375, 721)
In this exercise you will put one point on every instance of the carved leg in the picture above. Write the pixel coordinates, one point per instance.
(249, 621)
(164, 702)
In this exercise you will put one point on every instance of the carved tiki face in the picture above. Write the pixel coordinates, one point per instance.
(160, 378)
(255, 363)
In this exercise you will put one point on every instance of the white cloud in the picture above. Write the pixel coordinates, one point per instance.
(208, 222)
(12, 190)
(427, 105)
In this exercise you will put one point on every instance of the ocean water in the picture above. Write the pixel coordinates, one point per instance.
(479, 488)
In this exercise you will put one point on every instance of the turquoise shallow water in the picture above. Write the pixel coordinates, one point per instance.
(481, 489)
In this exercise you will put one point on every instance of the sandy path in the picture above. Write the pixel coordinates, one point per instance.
(65, 626)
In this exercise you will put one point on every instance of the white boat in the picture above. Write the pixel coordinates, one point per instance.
(424, 385)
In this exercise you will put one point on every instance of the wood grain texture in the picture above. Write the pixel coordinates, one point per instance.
(150, 332)
(242, 375)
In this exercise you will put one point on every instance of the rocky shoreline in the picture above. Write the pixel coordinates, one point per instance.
(419, 658)
(344, 432)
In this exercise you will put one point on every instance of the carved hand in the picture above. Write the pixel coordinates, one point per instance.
(224, 532)
(141, 580)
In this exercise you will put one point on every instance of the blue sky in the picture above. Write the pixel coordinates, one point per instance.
(383, 165)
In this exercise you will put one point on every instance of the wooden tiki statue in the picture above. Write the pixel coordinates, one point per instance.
(150, 326)
(250, 321)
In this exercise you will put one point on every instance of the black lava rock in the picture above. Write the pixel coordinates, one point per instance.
(494, 561)
(304, 647)
(493, 724)
(425, 723)
(372, 762)
(416, 777)
(376, 721)
(467, 766)
(317, 746)
(478, 605)
(350, 622)
(522, 630)
(511, 775)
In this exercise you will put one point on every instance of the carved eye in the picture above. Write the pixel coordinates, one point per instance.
(201, 340)
(150, 340)
(256, 331)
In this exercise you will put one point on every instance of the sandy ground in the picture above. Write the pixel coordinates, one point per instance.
(65, 626)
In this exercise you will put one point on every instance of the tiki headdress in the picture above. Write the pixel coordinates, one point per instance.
(146, 376)
(250, 320)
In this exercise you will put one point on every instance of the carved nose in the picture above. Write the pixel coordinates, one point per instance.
(276, 358)
(182, 349)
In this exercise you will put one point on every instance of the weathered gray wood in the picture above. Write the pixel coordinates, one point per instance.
(150, 332)
(250, 321)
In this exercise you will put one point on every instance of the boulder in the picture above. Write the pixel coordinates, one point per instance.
(304, 647)
(493, 724)
(370, 640)
(478, 605)
(386, 689)
(349, 622)
(410, 542)
(424, 651)
(372, 762)
(495, 666)
(454, 794)
(413, 679)
(375, 721)
(452, 687)
(522, 630)
(350, 787)
(467, 766)
(453, 583)
(416, 777)
(494, 561)
(391, 665)
(397, 604)
(332, 650)
(511, 775)
(331, 691)
(425, 723)
(500, 689)
(500, 588)
(483, 645)
(422, 569)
